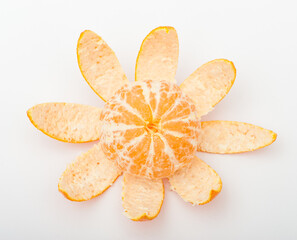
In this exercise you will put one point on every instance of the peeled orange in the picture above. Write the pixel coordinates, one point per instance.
(150, 129)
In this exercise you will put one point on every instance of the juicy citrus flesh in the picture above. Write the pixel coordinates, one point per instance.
(150, 128)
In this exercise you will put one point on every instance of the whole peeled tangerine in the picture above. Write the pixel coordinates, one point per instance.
(150, 128)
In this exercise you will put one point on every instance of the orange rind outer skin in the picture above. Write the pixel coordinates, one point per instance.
(273, 138)
(35, 125)
(79, 64)
(197, 183)
(145, 217)
(59, 139)
(88, 176)
(166, 28)
(51, 136)
(113, 73)
(82, 200)
(233, 80)
(226, 90)
(54, 137)
(213, 193)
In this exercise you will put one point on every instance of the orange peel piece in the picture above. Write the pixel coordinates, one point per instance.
(67, 122)
(158, 55)
(233, 137)
(196, 183)
(209, 84)
(99, 65)
(142, 197)
(89, 176)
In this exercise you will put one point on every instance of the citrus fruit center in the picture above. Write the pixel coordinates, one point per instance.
(150, 128)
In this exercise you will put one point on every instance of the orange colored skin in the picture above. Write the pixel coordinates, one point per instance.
(212, 194)
(79, 64)
(232, 81)
(166, 28)
(48, 134)
(274, 137)
(145, 217)
(82, 200)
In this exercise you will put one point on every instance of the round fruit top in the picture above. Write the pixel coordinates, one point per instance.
(150, 128)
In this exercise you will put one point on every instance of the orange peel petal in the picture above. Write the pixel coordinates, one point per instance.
(196, 183)
(209, 84)
(142, 197)
(99, 65)
(67, 122)
(233, 137)
(158, 55)
(89, 176)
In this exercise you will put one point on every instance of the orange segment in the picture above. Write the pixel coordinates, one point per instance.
(166, 97)
(158, 56)
(89, 176)
(99, 65)
(209, 84)
(160, 162)
(131, 150)
(116, 111)
(232, 137)
(142, 198)
(196, 183)
(142, 108)
(162, 135)
(182, 146)
(67, 122)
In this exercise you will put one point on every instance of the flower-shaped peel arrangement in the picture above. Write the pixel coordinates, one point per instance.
(149, 129)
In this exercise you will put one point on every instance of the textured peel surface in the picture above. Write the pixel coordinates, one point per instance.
(87, 177)
(150, 128)
(99, 65)
(209, 84)
(158, 56)
(196, 183)
(142, 197)
(68, 122)
(232, 137)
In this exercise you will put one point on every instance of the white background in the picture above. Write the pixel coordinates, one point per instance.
(38, 64)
